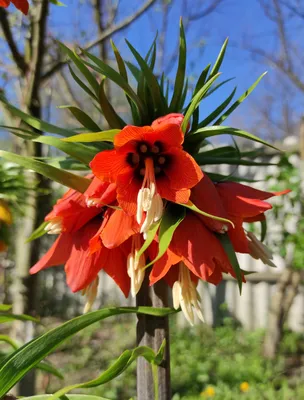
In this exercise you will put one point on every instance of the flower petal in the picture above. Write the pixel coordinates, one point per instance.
(21, 5)
(128, 187)
(116, 267)
(162, 266)
(108, 164)
(169, 135)
(82, 266)
(200, 249)
(182, 171)
(172, 118)
(164, 190)
(237, 236)
(118, 229)
(205, 196)
(105, 192)
(130, 133)
(58, 254)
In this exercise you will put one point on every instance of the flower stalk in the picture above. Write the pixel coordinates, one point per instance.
(151, 332)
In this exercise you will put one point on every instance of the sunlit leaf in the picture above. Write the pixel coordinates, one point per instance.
(171, 219)
(227, 245)
(181, 71)
(219, 60)
(82, 117)
(17, 364)
(66, 178)
(40, 231)
(113, 119)
(104, 136)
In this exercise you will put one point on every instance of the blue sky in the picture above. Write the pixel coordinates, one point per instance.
(238, 19)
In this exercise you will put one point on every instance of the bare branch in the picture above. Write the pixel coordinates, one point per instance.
(208, 10)
(106, 34)
(17, 56)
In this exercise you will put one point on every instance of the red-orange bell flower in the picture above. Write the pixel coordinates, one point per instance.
(148, 165)
(21, 5)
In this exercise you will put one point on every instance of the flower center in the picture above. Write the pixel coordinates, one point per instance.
(135, 266)
(186, 296)
(148, 200)
(54, 226)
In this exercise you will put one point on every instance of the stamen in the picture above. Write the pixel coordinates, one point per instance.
(155, 149)
(135, 266)
(259, 251)
(185, 295)
(148, 200)
(54, 227)
(92, 202)
(161, 160)
(90, 292)
(143, 148)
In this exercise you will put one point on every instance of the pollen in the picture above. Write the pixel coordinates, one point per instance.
(161, 160)
(143, 148)
(54, 227)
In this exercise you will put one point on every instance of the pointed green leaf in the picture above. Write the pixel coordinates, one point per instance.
(6, 317)
(215, 130)
(116, 369)
(181, 71)
(85, 120)
(113, 119)
(196, 101)
(40, 231)
(37, 123)
(263, 229)
(171, 219)
(17, 364)
(81, 84)
(158, 98)
(49, 368)
(81, 66)
(118, 79)
(217, 111)
(201, 80)
(104, 136)
(239, 101)
(8, 340)
(120, 62)
(227, 245)
(219, 60)
(76, 182)
(150, 237)
(215, 87)
(193, 208)
(76, 150)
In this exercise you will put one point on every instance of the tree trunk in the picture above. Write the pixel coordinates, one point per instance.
(151, 331)
(281, 302)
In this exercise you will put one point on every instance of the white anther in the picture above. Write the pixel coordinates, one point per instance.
(90, 292)
(54, 227)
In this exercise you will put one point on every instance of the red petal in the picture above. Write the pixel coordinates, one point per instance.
(162, 266)
(237, 236)
(118, 229)
(127, 190)
(104, 191)
(244, 201)
(73, 211)
(82, 266)
(58, 254)
(172, 118)
(4, 3)
(116, 267)
(205, 196)
(165, 191)
(22, 5)
(182, 171)
(108, 164)
(130, 133)
(257, 218)
(200, 249)
(169, 135)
